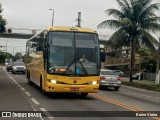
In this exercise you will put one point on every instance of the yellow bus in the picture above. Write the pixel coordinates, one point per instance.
(64, 59)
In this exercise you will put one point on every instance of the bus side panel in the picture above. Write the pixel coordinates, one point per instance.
(35, 67)
(38, 67)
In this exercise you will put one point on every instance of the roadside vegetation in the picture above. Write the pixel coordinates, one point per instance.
(147, 86)
(4, 55)
(134, 23)
(3, 21)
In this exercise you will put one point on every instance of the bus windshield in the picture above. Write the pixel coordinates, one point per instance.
(73, 53)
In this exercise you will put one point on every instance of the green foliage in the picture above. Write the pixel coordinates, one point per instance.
(3, 21)
(154, 87)
(3, 56)
(17, 56)
(148, 59)
(133, 23)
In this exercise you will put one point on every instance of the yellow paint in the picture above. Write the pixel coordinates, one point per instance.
(120, 104)
(35, 67)
(65, 28)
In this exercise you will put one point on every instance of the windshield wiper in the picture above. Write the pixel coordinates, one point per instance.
(75, 60)
(83, 67)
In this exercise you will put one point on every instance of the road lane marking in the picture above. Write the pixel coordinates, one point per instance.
(140, 94)
(33, 108)
(11, 77)
(36, 110)
(120, 104)
(115, 102)
(28, 94)
(22, 89)
(51, 118)
(41, 118)
(43, 109)
(47, 113)
(15, 82)
(35, 101)
(145, 95)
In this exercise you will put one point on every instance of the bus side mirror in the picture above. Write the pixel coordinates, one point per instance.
(102, 56)
(45, 52)
(44, 44)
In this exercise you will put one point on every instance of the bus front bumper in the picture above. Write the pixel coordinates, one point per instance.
(72, 88)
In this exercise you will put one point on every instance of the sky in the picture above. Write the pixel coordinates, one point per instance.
(35, 14)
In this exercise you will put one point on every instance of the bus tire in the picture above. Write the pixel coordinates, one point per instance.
(116, 88)
(44, 92)
(13, 72)
(84, 94)
(29, 81)
(41, 88)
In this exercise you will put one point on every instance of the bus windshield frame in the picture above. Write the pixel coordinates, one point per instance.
(73, 53)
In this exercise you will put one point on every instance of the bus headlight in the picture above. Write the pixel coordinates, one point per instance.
(93, 82)
(53, 81)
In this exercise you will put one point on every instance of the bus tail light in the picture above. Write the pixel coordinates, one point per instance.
(119, 78)
(102, 78)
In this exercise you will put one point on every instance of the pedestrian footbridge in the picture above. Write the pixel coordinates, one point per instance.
(19, 33)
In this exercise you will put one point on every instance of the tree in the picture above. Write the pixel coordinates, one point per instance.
(18, 55)
(3, 21)
(148, 59)
(3, 56)
(134, 23)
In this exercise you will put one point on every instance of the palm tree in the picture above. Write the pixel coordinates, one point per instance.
(134, 23)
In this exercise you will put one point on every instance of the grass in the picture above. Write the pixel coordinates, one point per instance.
(154, 87)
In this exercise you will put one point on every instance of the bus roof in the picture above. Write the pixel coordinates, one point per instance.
(66, 28)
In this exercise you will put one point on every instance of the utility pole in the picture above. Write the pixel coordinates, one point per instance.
(6, 46)
(131, 60)
(52, 16)
(158, 64)
(79, 19)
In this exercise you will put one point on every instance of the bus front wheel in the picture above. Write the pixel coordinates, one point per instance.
(84, 94)
(41, 88)
(29, 81)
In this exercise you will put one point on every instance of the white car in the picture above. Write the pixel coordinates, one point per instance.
(18, 67)
(108, 78)
(7, 60)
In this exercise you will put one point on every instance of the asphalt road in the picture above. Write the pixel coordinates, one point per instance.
(17, 95)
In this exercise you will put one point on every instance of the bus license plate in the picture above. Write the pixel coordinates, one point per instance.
(74, 89)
